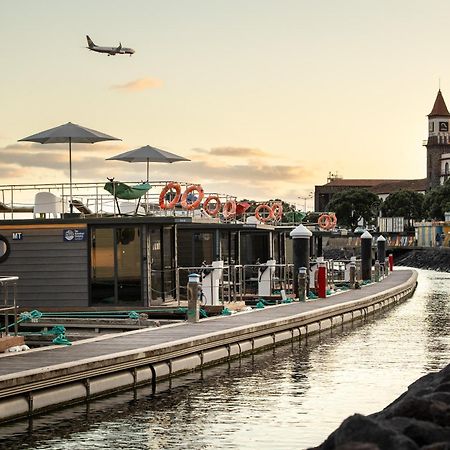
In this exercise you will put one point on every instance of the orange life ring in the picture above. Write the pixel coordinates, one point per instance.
(162, 197)
(196, 204)
(333, 219)
(277, 209)
(327, 221)
(229, 209)
(215, 211)
(264, 206)
(324, 221)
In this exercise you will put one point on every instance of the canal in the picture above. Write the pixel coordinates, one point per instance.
(291, 397)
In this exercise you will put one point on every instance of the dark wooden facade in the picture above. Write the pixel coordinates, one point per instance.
(112, 262)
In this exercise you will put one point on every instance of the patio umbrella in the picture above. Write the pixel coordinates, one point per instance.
(148, 154)
(69, 132)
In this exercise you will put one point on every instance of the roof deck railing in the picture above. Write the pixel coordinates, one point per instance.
(91, 199)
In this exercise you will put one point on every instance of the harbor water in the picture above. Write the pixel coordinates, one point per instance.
(291, 397)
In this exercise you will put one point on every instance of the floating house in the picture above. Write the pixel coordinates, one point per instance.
(98, 257)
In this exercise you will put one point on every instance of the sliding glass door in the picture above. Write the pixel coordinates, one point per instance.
(116, 266)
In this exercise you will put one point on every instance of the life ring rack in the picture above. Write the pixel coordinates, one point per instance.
(264, 207)
(172, 185)
(196, 203)
(212, 212)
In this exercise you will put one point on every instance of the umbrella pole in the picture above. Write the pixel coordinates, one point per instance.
(146, 194)
(70, 175)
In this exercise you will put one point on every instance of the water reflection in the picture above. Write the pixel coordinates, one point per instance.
(292, 397)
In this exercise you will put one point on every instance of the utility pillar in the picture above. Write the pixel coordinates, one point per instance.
(300, 241)
(193, 290)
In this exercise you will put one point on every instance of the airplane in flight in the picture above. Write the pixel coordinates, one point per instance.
(110, 50)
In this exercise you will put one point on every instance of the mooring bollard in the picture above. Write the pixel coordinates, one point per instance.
(322, 279)
(366, 256)
(302, 282)
(193, 291)
(352, 271)
(300, 240)
(377, 270)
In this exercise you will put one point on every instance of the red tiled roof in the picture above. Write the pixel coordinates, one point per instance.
(407, 185)
(380, 186)
(439, 108)
(357, 183)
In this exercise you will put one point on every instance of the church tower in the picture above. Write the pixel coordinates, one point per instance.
(438, 142)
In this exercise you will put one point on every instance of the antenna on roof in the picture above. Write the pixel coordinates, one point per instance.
(333, 176)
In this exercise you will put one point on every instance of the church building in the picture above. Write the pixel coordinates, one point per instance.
(438, 164)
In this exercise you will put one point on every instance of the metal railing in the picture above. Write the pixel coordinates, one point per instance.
(9, 302)
(237, 281)
(93, 199)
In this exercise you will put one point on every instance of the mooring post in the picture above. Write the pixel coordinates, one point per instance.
(193, 290)
(366, 256)
(377, 270)
(302, 279)
(300, 237)
(352, 273)
(381, 252)
(319, 246)
(322, 279)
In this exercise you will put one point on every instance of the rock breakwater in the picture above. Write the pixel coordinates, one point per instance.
(418, 419)
(432, 258)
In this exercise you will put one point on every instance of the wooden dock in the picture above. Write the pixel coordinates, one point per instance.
(42, 379)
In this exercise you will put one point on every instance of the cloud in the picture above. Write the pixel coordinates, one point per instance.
(254, 177)
(141, 84)
(234, 152)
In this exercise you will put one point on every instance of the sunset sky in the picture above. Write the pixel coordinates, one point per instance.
(265, 97)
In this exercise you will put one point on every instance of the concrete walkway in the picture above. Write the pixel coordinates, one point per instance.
(43, 360)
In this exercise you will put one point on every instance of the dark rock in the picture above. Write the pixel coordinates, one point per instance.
(437, 446)
(358, 446)
(444, 387)
(361, 429)
(423, 408)
(421, 432)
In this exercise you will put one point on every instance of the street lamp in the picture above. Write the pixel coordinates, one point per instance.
(304, 198)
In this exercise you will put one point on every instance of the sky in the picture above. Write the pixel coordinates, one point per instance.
(265, 97)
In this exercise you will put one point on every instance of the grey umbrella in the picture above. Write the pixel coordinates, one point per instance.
(69, 132)
(148, 154)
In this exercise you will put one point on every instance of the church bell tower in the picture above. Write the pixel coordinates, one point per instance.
(438, 142)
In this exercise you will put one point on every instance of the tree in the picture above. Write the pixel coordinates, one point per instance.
(407, 204)
(354, 204)
(437, 202)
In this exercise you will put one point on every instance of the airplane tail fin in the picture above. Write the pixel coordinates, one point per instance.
(90, 43)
